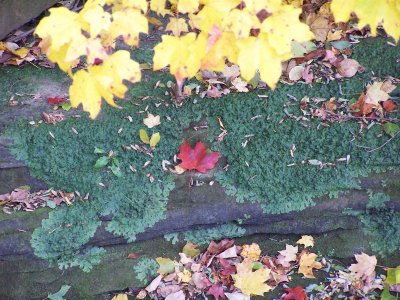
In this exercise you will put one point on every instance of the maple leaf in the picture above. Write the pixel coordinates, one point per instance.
(186, 6)
(306, 240)
(228, 268)
(373, 13)
(252, 251)
(56, 100)
(365, 266)
(290, 253)
(191, 250)
(103, 81)
(249, 282)
(307, 263)
(197, 158)
(217, 291)
(378, 91)
(166, 265)
(128, 23)
(297, 293)
(151, 121)
(182, 54)
(158, 6)
(177, 26)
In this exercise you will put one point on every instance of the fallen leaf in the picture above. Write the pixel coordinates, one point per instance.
(133, 255)
(154, 284)
(237, 296)
(228, 253)
(249, 282)
(56, 100)
(217, 291)
(391, 128)
(240, 85)
(120, 297)
(389, 105)
(176, 296)
(166, 265)
(377, 92)
(306, 240)
(228, 268)
(307, 263)
(297, 293)
(252, 251)
(296, 73)
(197, 158)
(348, 67)
(191, 250)
(151, 121)
(177, 26)
(365, 266)
(288, 255)
(307, 75)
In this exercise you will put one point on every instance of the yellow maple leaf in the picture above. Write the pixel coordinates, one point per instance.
(223, 6)
(177, 26)
(206, 19)
(370, 12)
(103, 81)
(98, 19)
(240, 22)
(183, 55)
(62, 26)
(256, 53)
(249, 282)
(307, 263)
(187, 6)
(284, 26)
(252, 251)
(118, 5)
(306, 240)
(158, 6)
(128, 23)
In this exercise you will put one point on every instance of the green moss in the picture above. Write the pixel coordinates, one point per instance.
(145, 269)
(257, 172)
(381, 224)
(205, 236)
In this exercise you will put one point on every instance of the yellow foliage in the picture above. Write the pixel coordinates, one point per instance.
(370, 12)
(252, 251)
(249, 282)
(103, 81)
(182, 54)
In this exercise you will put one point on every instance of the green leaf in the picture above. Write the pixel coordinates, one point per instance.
(257, 265)
(167, 265)
(393, 276)
(102, 162)
(144, 136)
(60, 294)
(155, 138)
(116, 170)
(66, 105)
(386, 294)
(191, 250)
(341, 44)
(299, 49)
(391, 128)
(98, 150)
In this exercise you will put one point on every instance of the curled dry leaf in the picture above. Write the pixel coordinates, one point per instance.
(348, 67)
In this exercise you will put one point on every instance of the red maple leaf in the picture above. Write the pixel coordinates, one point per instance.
(298, 293)
(56, 100)
(216, 291)
(197, 158)
(228, 268)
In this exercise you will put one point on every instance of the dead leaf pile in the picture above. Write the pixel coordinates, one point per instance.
(22, 199)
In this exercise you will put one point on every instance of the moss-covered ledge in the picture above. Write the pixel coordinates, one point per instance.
(257, 193)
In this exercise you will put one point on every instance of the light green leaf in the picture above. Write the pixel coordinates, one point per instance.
(386, 294)
(98, 150)
(144, 136)
(102, 162)
(66, 105)
(341, 44)
(299, 49)
(60, 294)
(155, 138)
(116, 170)
(391, 128)
(393, 276)
(191, 250)
(167, 265)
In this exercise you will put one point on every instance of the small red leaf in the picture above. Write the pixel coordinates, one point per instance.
(389, 105)
(197, 158)
(216, 291)
(56, 100)
(228, 268)
(298, 293)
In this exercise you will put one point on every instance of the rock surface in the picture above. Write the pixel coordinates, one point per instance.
(14, 13)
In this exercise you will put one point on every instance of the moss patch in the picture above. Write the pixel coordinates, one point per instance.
(257, 172)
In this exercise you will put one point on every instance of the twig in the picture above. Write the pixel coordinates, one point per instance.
(369, 149)
(21, 36)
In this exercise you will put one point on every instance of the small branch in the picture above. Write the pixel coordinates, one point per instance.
(370, 149)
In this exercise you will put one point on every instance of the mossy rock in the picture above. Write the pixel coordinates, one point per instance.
(259, 193)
